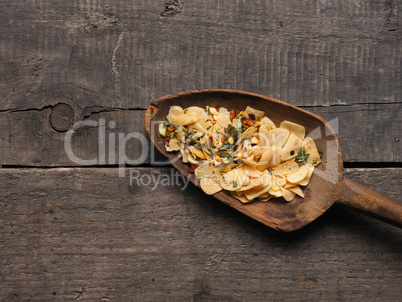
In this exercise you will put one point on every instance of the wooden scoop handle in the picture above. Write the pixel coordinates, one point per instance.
(370, 202)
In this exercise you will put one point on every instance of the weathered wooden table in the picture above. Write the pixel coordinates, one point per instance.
(76, 225)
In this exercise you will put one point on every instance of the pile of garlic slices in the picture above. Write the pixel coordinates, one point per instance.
(241, 151)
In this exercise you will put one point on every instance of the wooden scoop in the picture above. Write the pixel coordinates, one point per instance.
(327, 183)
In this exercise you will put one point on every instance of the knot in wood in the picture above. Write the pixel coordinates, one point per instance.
(62, 117)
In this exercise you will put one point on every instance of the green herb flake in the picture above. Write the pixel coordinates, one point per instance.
(302, 156)
(224, 153)
(234, 184)
(321, 154)
(233, 133)
(231, 160)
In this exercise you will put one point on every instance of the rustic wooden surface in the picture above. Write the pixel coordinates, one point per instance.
(74, 233)
(89, 234)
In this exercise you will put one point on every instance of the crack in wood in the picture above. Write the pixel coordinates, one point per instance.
(86, 114)
(83, 88)
(348, 104)
(139, 108)
(11, 110)
(51, 106)
(346, 165)
(79, 293)
(114, 64)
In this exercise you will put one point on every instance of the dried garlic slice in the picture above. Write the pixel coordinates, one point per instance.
(294, 128)
(174, 112)
(297, 190)
(233, 179)
(287, 168)
(291, 147)
(174, 144)
(185, 119)
(210, 186)
(242, 198)
(257, 114)
(298, 176)
(288, 194)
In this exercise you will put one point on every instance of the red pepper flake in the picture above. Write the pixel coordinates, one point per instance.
(151, 114)
(171, 128)
(232, 113)
(167, 139)
(193, 167)
(211, 140)
(246, 121)
(217, 109)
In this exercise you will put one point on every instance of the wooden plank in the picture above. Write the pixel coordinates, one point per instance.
(306, 53)
(367, 132)
(97, 57)
(30, 139)
(39, 144)
(386, 181)
(89, 234)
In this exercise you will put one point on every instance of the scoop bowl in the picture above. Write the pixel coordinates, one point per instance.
(327, 184)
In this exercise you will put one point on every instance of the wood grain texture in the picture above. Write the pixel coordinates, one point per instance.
(366, 132)
(87, 234)
(370, 202)
(303, 52)
(377, 179)
(28, 138)
(342, 60)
